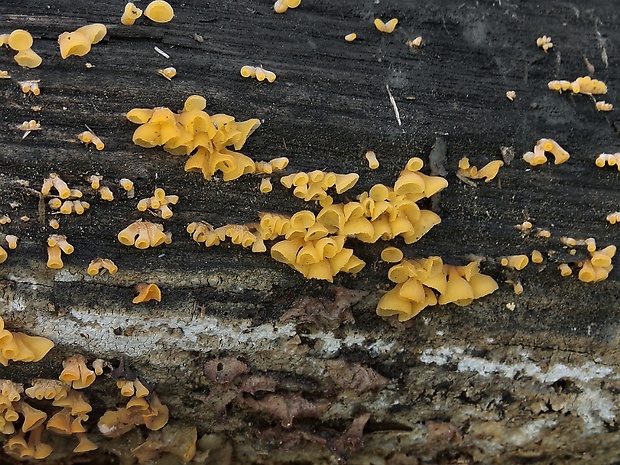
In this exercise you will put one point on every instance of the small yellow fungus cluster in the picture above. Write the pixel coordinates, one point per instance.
(265, 186)
(75, 372)
(47, 389)
(537, 157)
(97, 264)
(280, 6)
(314, 185)
(30, 86)
(544, 42)
(131, 388)
(415, 43)
(138, 411)
(544, 233)
(581, 85)
(525, 226)
(168, 73)
(598, 266)
(68, 206)
(371, 158)
(271, 166)
(386, 27)
(511, 95)
(419, 281)
(130, 14)
(146, 292)
(56, 244)
(257, 72)
(28, 126)
(350, 37)
(4, 74)
(55, 182)
(80, 41)
(590, 242)
(516, 262)
(159, 201)
(609, 159)
(604, 106)
(159, 11)
(20, 347)
(21, 41)
(194, 132)
(144, 234)
(487, 172)
(104, 191)
(204, 232)
(3, 255)
(89, 137)
(613, 218)
(19, 448)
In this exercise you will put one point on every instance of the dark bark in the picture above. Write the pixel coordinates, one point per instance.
(482, 383)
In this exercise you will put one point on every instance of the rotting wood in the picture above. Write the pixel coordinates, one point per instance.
(480, 383)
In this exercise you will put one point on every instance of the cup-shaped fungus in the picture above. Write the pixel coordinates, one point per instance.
(603, 106)
(84, 444)
(76, 373)
(56, 244)
(75, 401)
(3, 255)
(371, 158)
(46, 389)
(391, 255)
(144, 234)
(265, 186)
(28, 59)
(79, 42)
(55, 181)
(89, 137)
(130, 14)
(147, 292)
(159, 11)
(517, 262)
(32, 416)
(11, 240)
(20, 40)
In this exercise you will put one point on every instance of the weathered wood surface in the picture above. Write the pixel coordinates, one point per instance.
(474, 384)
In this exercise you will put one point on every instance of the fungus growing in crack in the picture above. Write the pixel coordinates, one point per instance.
(76, 373)
(80, 41)
(159, 11)
(89, 137)
(144, 234)
(146, 292)
(130, 14)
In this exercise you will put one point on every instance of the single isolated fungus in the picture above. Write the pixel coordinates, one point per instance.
(511, 95)
(537, 256)
(604, 106)
(147, 292)
(391, 255)
(168, 73)
(350, 37)
(130, 14)
(159, 11)
(371, 158)
(89, 137)
(544, 42)
(79, 42)
(415, 43)
(265, 186)
(11, 240)
(386, 27)
(537, 157)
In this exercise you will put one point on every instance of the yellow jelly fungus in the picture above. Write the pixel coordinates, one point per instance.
(106, 193)
(544, 42)
(95, 181)
(371, 158)
(582, 85)
(30, 86)
(248, 71)
(130, 14)
(89, 137)
(126, 184)
(3, 255)
(31, 125)
(28, 59)
(76, 373)
(544, 233)
(159, 11)
(559, 86)
(4, 74)
(56, 244)
(415, 43)
(611, 159)
(525, 226)
(5, 219)
(517, 262)
(391, 255)
(160, 202)
(20, 40)
(21, 347)
(257, 72)
(537, 256)
(147, 292)
(79, 42)
(168, 73)
(350, 37)
(54, 224)
(613, 218)
(127, 388)
(144, 234)
(98, 366)
(11, 240)
(590, 243)
(511, 95)
(84, 444)
(47, 389)
(517, 287)
(386, 27)
(98, 263)
(280, 6)
(604, 106)
(265, 185)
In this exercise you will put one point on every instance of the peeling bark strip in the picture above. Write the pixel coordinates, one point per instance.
(511, 378)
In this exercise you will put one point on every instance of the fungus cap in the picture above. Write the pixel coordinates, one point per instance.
(159, 11)
(20, 40)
